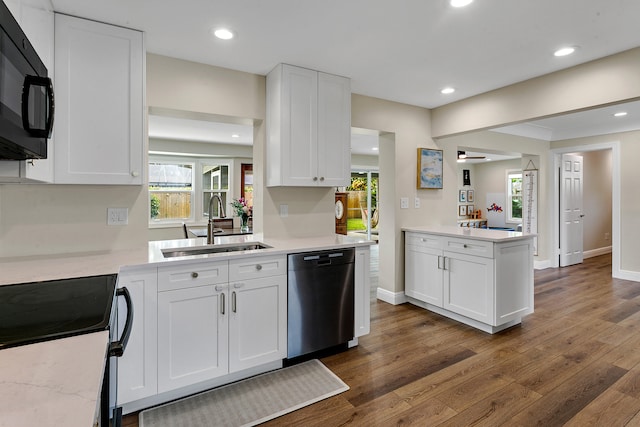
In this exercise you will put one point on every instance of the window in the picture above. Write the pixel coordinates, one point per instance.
(180, 188)
(170, 191)
(514, 196)
(215, 179)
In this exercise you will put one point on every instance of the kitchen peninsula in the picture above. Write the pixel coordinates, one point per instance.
(480, 277)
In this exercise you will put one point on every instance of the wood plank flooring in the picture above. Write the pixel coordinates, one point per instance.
(574, 362)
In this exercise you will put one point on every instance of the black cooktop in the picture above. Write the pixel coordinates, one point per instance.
(40, 311)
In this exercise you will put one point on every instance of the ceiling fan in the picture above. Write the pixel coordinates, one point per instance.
(462, 155)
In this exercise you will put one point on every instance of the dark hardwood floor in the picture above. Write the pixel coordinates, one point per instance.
(574, 362)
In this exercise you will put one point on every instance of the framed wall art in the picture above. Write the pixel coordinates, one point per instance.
(429, 168)
(470, 195)
(462, 196)
(462, 210)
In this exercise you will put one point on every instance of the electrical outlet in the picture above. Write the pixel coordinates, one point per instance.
(284, 211)
(404, 203)
(416, 203)
(117, 216)
(607, 236)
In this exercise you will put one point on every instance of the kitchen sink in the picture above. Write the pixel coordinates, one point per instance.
(188, 251)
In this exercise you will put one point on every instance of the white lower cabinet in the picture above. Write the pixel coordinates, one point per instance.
(192, 336)
(423, 277)
(488, 285)
(468, 286)
(210, 322)
(217, 318)
(258, 311)
(137, 368)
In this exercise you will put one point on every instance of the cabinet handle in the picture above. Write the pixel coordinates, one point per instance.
(444, 263)
(315, 178)
(222, 303)
(238, 285)
(233, 301)
(322, 178)
(258, 267)
(464, 246)
(220, 288)
(194, 275)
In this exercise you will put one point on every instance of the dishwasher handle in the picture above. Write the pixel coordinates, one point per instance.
(321, 258)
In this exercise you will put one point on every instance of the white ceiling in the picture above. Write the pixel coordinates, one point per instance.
(404, 51)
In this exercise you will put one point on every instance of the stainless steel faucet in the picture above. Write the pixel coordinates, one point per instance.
(210, 225)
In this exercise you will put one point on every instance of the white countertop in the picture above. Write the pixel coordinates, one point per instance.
(41, 268)
(53, 383)
(496, 236)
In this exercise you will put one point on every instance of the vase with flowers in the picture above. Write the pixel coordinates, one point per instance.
(243, 211)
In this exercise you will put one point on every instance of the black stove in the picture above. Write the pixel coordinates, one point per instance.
(40, 311)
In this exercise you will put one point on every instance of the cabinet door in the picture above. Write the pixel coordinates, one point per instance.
(362, 300)
(258, 322)
(423, 277)
(299, 136)
(138, 367)
(468, 286)
(334, 130)
(192, 335)
(99, 103)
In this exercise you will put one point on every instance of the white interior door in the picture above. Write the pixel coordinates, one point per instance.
(571, 214)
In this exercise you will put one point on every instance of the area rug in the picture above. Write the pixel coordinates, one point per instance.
(251, 401)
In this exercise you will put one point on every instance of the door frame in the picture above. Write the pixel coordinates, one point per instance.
(555, 161)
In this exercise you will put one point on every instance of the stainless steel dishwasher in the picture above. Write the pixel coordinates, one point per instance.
(320, 300)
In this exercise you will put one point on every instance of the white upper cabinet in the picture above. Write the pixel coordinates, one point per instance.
(308, 128)
(99, 134)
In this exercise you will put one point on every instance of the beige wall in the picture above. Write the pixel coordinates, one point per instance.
(487, 141)
(58, 219)
(629, 143)
(597, 199)
(604, 81)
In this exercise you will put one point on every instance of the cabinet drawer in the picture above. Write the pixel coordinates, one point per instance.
(423, 240)
(469, 247)
(197, 274)
(256, 267)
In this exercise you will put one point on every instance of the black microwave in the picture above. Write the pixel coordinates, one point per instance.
(26, 95)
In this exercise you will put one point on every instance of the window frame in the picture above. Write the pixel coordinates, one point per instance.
(509, 173)
(197, 188)
(166, 160)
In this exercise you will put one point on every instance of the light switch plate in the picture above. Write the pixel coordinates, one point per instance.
(404, 203)
(284, 211)
(416, 203)
(117, 216)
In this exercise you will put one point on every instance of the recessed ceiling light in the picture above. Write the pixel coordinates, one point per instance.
(223, 34)
(620, 114)
(564, 51)
(460, 3)
(235, 135)
(447, 90)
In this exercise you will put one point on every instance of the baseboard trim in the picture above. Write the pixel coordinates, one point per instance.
(597, 252)
(627, 275)
(395, 298)
(541, 265)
